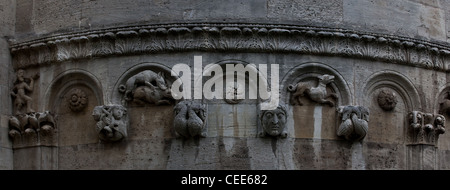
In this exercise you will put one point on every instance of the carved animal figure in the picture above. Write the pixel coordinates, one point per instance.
(190, 118)
(152, 95)
(148, 87)
(317, 94)
(354, 124)
(445, 105)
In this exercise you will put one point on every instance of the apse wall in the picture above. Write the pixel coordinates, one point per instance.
(362, 84)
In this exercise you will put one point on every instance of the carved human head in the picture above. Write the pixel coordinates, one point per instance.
(20, 74)
(274, 121)
(118, 112)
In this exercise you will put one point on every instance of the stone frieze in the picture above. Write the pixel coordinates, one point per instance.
(145, 39)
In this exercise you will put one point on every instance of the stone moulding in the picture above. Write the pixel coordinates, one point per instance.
(145, 39)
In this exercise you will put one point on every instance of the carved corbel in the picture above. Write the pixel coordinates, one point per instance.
(112, 122)
(426, 127)
(190, 119)
(31, 123)
(354, 122)
(273, 122)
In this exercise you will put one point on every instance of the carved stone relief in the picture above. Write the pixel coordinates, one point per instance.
(354, 122)
(426, 127)
(387, 100)
(112, 122)
(234, 37)
(273, 122)
(30, 124)
(22, 88)
(317, 93)
(77, 99)
(190, 119)
(233, 90)
(444, 105)
(147, 87)
(26, 122)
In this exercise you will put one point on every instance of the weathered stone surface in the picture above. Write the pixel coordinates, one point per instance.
(36, 158)
(7, 29)
(306, 11)
(413, 18)
(6, 159)
(131, 155)
(92, 48)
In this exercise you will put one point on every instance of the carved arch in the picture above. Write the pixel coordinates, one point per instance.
(69, 78)
(251, 84)
(395, 81)
(392, 126)
(75, 126)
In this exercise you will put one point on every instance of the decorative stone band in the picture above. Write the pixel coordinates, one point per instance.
(145, 39)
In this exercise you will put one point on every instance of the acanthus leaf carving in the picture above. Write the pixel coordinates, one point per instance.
(25, 128)
(426, 127)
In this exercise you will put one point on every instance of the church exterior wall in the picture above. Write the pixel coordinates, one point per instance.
(384, 109)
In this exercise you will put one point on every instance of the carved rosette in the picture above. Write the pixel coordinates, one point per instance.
(190, 119)
(354, 123)
(387, 100)
(112, 122)
(77, 99)
(426, 127)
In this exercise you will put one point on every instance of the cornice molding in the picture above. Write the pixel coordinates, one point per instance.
(229, 37)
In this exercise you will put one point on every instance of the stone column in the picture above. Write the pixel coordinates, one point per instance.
(421, 157)
(7, 23)
(424, 130)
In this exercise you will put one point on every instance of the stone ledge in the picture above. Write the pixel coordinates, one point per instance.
(232, 37)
